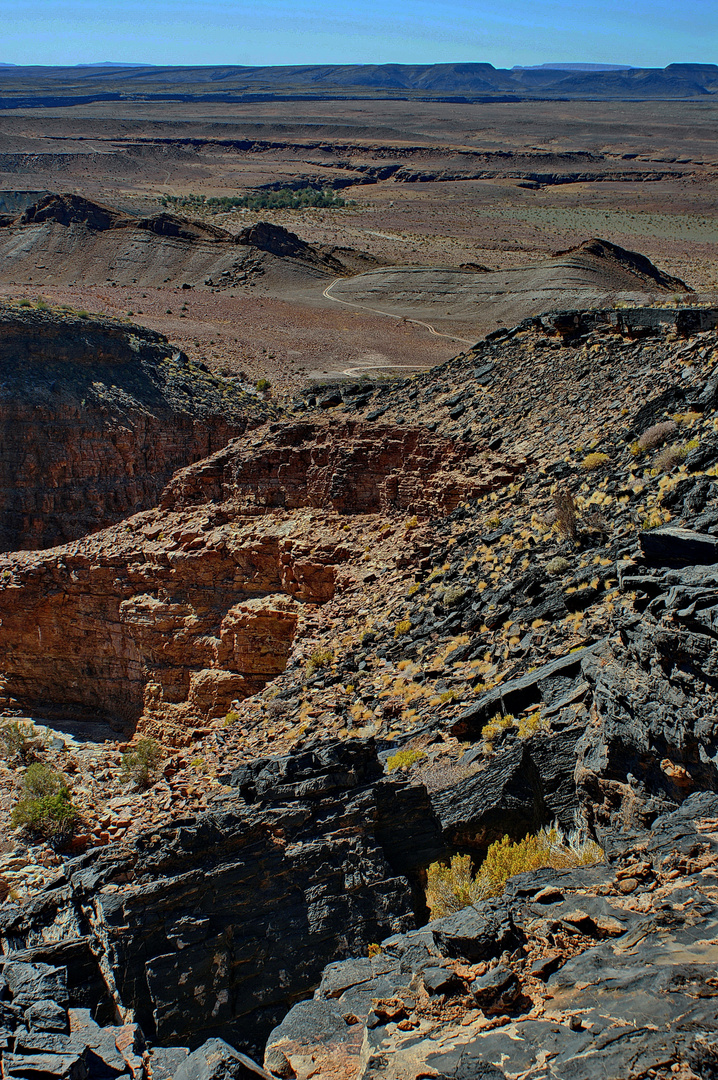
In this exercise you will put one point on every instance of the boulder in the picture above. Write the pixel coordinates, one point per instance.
(217, 1060)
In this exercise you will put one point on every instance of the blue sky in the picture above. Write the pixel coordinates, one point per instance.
(503, 32)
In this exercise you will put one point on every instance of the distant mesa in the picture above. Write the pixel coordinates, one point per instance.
(24, 87)
(573, 67)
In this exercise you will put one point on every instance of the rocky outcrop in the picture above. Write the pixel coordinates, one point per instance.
(74, 239)
(608, 969)
(45, 1032)
(628, 262)
(95, 416)
(173, 618)
(180, 612)
(349, 467)
(71, 209)
(217, 923)
(278, 241)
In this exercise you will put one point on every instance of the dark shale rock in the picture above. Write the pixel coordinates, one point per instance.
(498, 987)
(231, 914)
(678, 547)
(31, 983)
(505, 797)
(217, 1060)
(636, 996)
(46, 1016)
(540, 686)
(476, 933)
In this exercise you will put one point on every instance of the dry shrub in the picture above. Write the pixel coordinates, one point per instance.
(404, 759)
(671, 456)
(594, 461)
(657, 435)
(453, 887)
(141, 764)
(495, 726)
(21, 742)
(45, 806)
(453, 596)
(566, 511)
(595, 521)
(533, 723)
(319, 659)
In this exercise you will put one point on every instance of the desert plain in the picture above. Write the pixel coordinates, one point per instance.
(498, 186)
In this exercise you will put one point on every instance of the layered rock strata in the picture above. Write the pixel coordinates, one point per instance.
(217, 923)
(349, 467)
(95, 416)
(177, 613)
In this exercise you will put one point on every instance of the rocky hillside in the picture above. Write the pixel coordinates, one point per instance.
(593, 274)
(95, 416)
(392, 626)
(71, 239)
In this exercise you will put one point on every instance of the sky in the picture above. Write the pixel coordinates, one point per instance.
(644, 33)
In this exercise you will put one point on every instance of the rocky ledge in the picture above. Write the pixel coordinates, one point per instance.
(178, 612)
(608, 970)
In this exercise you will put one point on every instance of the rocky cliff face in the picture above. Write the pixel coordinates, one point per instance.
(608, 969)
(245, 902)
(349, 467)
(95, 416)
(177, 613)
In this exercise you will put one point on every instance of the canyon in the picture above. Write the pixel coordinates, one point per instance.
(95, 419)
(377, 570)
(358, 532)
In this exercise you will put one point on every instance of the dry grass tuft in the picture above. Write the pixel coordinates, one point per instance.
(657, 435)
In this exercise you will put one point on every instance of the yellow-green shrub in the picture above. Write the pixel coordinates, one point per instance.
(319, 659)
(140, 765)
(404, 759)
(494, 728)
(452, 887)
(44, 807)
(594, 461)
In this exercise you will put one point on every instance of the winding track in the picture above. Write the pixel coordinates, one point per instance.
(389, 315)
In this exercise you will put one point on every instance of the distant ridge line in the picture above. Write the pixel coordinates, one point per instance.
(37, 87)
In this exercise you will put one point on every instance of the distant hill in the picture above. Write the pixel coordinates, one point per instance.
(27, 87)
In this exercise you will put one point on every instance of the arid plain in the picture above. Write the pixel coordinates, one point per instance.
(497, 186)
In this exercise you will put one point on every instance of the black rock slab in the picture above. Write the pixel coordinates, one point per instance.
(217, 1060)
(678, 547)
